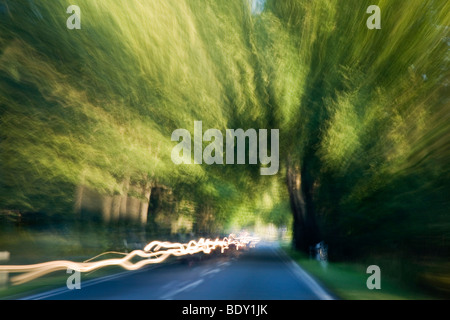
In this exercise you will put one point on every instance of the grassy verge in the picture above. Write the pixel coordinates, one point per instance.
(348, 281)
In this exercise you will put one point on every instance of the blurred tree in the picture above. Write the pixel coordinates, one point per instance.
(87, 115)
(368, 170)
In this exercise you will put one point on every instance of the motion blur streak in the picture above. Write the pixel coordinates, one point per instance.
(154, 252)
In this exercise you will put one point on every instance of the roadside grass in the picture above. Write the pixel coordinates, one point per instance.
(348, 280)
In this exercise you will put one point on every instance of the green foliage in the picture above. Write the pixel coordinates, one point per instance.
(98, 105)
(373, 122)
(363, 112)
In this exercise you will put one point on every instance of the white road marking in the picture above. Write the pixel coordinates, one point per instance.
(224, 264)
(169, 295)
(212, 271)
(84, 284)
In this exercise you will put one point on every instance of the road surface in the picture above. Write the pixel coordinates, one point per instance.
(261, 273)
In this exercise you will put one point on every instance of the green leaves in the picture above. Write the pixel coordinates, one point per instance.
(365, 112)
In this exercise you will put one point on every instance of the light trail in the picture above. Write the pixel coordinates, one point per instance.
(154, 252)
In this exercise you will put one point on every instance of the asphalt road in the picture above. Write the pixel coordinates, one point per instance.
(261, 273)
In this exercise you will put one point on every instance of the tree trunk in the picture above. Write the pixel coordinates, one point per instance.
(124, 199)
(106, 207)
(143, 210)
(133, 205)
(305, 231)
(308, 182)
(115, 207)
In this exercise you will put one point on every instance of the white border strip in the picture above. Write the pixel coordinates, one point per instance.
(304, 277)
